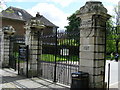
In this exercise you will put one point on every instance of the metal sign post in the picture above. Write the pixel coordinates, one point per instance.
(108, 75)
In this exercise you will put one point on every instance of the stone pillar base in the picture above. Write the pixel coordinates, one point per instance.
(99, 85)
(32, 73)
(5, 64)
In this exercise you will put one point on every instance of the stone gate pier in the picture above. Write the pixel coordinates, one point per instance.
(6, 33)
(34, 29)
(93, 17)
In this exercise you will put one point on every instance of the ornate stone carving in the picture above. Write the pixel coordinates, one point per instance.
(93, 6)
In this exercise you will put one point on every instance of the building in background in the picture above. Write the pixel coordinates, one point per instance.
(17, 18)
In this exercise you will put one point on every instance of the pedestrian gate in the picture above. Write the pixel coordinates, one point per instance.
(14, 44)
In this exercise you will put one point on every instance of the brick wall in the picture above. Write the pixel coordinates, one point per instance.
(18, 25)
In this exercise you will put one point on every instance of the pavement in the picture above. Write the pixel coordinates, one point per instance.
(10, 80)
(114, 74)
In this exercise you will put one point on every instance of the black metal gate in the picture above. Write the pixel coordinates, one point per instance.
(14, 43)
(12, 53)
(60, 56)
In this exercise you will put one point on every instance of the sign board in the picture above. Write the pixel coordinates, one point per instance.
(23, 51)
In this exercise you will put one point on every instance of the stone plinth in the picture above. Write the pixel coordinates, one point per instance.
(92, 41)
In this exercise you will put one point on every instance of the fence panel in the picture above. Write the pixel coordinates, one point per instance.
(14, 44)
(60, 56)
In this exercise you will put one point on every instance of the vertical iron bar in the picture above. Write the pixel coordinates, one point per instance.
(38, 53)
(108, 75)
(55, 56)
(15, 60)
(19, 62)
(10, 52)
(63, 57)
(69, 62)
(105, 55)
(27, 55)
(50, 65)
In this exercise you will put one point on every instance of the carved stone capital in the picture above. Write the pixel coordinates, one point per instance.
(93, 6)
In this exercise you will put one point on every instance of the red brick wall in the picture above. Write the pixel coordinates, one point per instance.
(17, 25)
(48, 31)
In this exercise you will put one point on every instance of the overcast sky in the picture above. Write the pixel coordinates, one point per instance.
(56, 11)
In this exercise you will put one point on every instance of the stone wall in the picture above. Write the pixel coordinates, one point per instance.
(17, 25)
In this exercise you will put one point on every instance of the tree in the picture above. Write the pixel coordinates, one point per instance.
(117, 14)
(74, 23)
(117, 26)
(110, 42)
(113, 32)
(3, 5)
(72, 29)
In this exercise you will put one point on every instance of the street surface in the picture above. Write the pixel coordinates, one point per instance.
(10, 79)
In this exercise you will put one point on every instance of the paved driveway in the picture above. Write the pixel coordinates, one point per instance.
(11, 81)
(114, 77)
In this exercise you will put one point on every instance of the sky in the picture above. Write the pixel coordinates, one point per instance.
(56, 11)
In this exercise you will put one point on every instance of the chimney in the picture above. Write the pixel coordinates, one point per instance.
(38, 14)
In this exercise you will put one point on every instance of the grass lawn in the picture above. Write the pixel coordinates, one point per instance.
(108, 57)
(16, 56)
(51, 58)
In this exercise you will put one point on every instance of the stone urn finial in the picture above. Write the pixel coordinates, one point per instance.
(93, 7)
(8, 30)
(34, 23)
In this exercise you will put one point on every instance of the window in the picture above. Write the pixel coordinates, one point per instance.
(20, 14)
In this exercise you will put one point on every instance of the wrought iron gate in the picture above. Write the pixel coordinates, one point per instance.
(60, 56)
(12, 58)
(14, 43)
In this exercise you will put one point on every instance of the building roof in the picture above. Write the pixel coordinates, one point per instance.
(21, 14)
(16, 13)
(45, 21)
